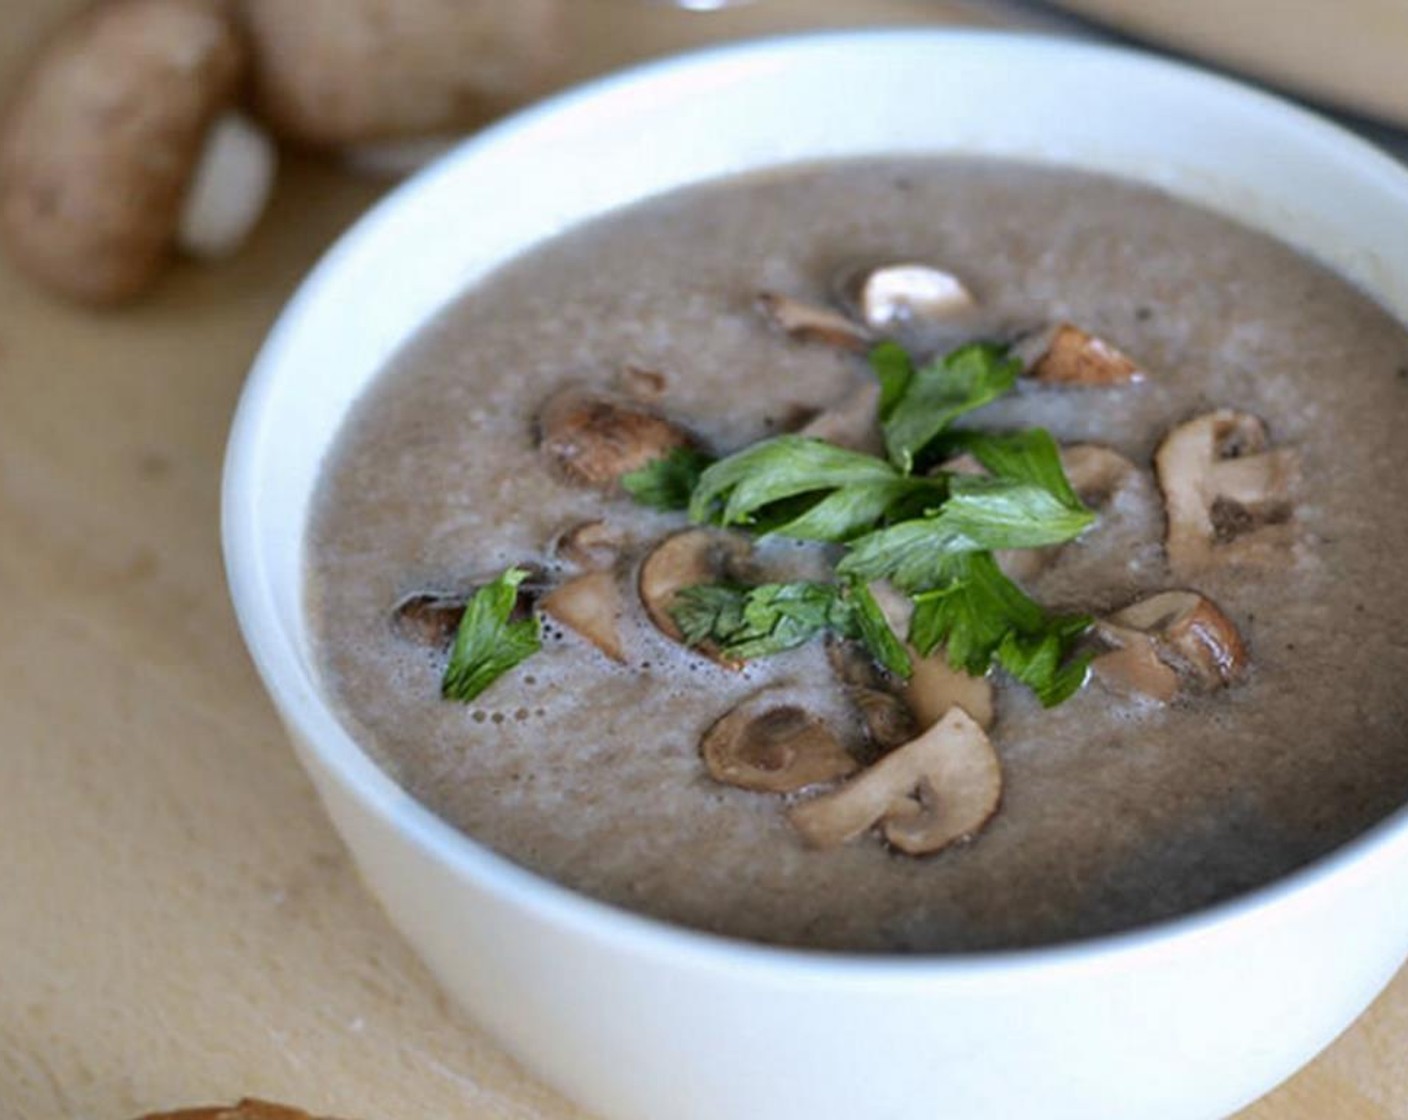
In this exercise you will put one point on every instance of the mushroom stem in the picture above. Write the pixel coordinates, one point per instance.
(230, 191)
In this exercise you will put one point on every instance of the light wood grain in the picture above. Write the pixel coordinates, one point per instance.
(178, 922)
(1347, 53)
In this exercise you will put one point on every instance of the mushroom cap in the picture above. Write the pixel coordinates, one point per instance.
(1167, 639)
(906, 293)
(771, 743)
(593, 438)
(1063, 354)
(590, 605)
(101, 139)
(685, 559)
(335, 72)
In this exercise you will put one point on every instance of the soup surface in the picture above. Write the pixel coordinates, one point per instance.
(1115, 811)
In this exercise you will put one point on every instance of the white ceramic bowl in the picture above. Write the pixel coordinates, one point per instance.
(638, 1020)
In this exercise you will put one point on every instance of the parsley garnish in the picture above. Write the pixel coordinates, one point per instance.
(667, 483)
(489, 641)
(931, 535)
(744, 623)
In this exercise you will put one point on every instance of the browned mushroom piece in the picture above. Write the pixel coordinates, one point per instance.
(1096, 473)
(593, 438)
(1229, 500)
(891, 297)
(589, 544)
(1168, 640)
(808, 322)
(935, 686)
(941, 788)
(121, 145)
(428, 619)
(247, 1109)
(1063, 354)
(686, 559)
(772, 743)
(331, 73)
(590, 605)
(851, 421)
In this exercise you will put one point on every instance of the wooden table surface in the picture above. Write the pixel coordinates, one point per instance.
(178, 921)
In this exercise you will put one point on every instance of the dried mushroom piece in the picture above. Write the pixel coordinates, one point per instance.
(247, 1109)
(1167, 641)
(589, 545)
(685, 559)
(891, 297)
(590, 605)
(1229, 500)
(592, 438)
(771, 743)
(933, 792)
(431, 618)
(1063, 354)
(808, 322)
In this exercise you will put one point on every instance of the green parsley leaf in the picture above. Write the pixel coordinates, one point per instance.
(981, 616)
(936, 395)
(894, 370)
(1030, 456)
(745, 623)
(667, 483)
(804, 488)
(873, 629)
(489, 643)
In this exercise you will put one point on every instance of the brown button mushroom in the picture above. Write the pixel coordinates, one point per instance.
(428, 619)
(905, 294)
(332, 73)
(590, 605)
(1063, 354)
(593, 438)
(1167, 640)
(807, 322)
(120, 146)
(772, 744)
(1229, 500)
(941, 788)
(247, 1109)
(685, 559)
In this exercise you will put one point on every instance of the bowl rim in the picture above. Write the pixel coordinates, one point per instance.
(310, 718)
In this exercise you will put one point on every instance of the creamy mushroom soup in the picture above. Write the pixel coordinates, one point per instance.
(1238, 757)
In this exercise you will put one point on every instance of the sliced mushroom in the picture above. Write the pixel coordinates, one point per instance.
(590, 604)
(428, 619)
(935, 686)
(431, 618)
(851, 421)
(772, 744)
(685, 559)
(1063, 354)
(589, 544)
(941, 788)
(894, 296)
(1096, 474)
(1228, 499)
(1168, 639)
(807, 322)
(593, 438)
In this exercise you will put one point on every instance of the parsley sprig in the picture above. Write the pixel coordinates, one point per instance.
(931, 534)
(489, 641)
